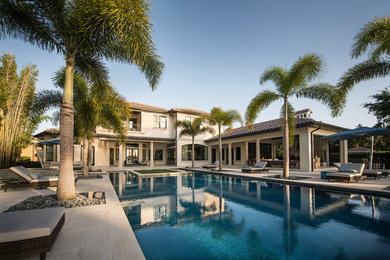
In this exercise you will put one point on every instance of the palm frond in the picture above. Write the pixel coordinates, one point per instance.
(372, 34)
(258, 103)
(33, 22)
(326, 94)
(363, 71)
(275, 74)
(303, 71)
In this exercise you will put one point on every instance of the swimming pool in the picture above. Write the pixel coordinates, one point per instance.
(214, 217)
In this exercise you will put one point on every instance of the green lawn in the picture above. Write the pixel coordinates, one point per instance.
(155, 171)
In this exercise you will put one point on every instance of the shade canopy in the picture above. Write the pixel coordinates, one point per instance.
(358, 133)
(52, 141)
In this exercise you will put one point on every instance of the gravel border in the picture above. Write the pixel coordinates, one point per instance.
(50, 201)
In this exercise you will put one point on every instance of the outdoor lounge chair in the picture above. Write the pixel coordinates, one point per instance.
(31, 179)
(29, 232)
(212, 166)
(259, 167)
(337, 165)
(348, 172)
(143, 162)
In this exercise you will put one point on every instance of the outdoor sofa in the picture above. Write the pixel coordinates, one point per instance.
(212, 166)
(29, 232)
(259, 167)
(348, 172)
(31, 179)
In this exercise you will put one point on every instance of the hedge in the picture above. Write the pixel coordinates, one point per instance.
(379, 157)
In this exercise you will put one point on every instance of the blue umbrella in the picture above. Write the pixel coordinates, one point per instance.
(359, 133)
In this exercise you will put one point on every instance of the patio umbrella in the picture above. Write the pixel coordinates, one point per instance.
(360, 133)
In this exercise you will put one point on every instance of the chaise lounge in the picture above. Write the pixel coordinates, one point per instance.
(259, 167)
(212, 166)
(31, 179)
(29, 232)
(348, 172)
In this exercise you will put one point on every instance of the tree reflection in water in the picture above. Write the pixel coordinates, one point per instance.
(256, 250)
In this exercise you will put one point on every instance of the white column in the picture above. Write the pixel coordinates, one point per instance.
(257, 150)
(246, 153)
(344, 151)
(229, 154)
(210, 153)
(120, 164)
(305, 151)
(151, 154)
(165, 161)
(140, 149)
(140, 183)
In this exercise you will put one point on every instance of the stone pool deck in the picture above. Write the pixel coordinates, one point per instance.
(368, 186)
(92, 232)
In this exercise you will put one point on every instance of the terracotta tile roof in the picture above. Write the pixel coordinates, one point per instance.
(143, 107)
(56, 132)
(270, 126)
(189, 111)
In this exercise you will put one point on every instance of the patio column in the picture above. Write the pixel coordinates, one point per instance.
(246, 153)
(305, 150)
(140, 149)
(257, 150)
(344, 151)
(151, 154)
(229, 154)
(210, 153)
(120, 164)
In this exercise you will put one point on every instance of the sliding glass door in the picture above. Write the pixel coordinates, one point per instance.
(131, 155)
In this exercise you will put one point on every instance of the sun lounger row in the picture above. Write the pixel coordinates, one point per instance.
(31, 179)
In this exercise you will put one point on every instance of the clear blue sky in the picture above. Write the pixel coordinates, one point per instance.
(215, 51)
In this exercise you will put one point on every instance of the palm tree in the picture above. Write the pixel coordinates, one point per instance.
(94, 104)
(193, 128)
(373, 38)
(292, 82)
(84, 31)
(223, 118)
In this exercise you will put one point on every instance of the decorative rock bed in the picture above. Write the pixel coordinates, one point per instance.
(90, 176)
(50, 201)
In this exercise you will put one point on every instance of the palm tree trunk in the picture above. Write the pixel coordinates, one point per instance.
(89, 156)
(193, 152)
(85, 157)
(220, 147)
(66, 187)
(286, 155)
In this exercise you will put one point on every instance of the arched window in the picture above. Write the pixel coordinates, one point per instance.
(201, 152)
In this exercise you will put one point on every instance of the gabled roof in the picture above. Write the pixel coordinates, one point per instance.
(143, 107)
(271, 126)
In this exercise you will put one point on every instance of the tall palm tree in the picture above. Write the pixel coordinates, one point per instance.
(193, 128)
(94, 104)
(374, 39)
(223, 118)
(292, 82)
(84, 31)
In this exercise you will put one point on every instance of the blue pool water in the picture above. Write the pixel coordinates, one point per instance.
(213, 217)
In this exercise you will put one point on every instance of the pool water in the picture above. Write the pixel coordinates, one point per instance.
(214, 217)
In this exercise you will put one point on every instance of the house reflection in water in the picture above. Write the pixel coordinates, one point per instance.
(156, 201)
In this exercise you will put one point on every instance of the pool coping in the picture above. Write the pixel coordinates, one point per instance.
(301, 183)
(163, 174)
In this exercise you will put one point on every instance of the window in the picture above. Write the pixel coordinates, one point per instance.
(49, 152)
(117, 154)
(160, 212)
(159, 121)
(132, 124)
(238, 153)
(158, 155)
(201, 152)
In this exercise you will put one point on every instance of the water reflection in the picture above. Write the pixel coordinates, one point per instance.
(216, 204)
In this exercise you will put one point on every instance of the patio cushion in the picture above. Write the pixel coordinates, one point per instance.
(348, 171)
(26, 224)
(354, 166)
(46, 179)
(35, 175)
(22, 172)
(343, 174)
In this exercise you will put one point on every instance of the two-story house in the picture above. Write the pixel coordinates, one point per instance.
(152, 139)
